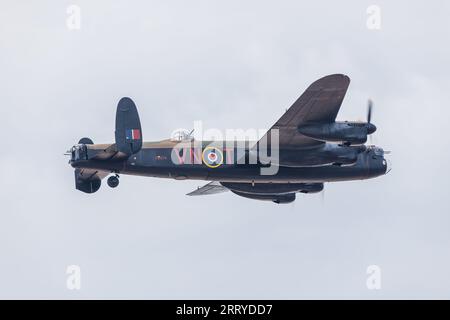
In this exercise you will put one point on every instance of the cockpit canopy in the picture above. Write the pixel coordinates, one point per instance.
(181, 135)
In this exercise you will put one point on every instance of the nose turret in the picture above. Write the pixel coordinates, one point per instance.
(377, 163)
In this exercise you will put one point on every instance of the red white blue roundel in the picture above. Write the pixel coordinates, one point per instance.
(212, 157)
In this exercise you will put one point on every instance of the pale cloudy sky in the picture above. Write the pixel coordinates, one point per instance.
(231, 64)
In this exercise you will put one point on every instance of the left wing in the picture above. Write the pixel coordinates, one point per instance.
(211, 188)
(319, 103)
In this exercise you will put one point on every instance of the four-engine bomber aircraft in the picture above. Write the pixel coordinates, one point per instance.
(313, 149)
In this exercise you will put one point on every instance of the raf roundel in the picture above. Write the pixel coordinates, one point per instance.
(212, 157)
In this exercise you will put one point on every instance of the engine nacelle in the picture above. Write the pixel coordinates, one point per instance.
(324, 155)
(349, 133)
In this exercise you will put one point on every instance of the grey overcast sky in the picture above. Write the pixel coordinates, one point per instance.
(231, 64)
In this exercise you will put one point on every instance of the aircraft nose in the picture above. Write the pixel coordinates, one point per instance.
(371, 128)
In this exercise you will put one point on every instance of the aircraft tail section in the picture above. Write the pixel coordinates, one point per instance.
(128, 127)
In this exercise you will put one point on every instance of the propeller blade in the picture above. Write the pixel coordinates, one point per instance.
(369, 110)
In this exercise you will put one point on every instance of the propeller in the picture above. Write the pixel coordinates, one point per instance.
(369, 110)
(371, 128)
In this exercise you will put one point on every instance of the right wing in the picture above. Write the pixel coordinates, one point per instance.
(211, 188)
(319, 103)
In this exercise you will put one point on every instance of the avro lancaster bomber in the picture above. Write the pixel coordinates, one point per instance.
(304, 149)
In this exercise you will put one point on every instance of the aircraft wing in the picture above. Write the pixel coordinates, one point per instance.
(319, 103)
(211, 188)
